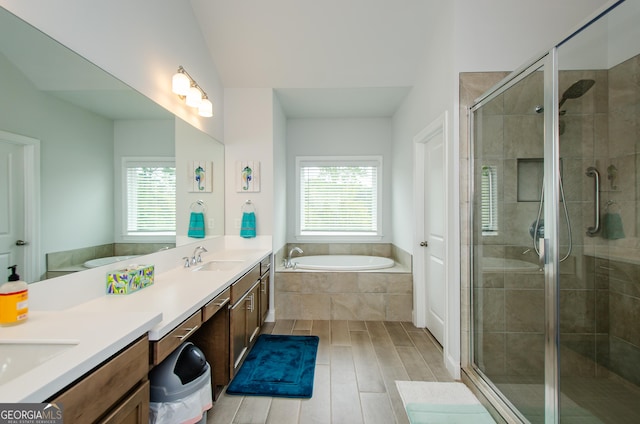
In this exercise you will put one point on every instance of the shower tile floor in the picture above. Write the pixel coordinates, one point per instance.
(583, 401)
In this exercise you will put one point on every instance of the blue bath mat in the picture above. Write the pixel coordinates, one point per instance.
(279, 366)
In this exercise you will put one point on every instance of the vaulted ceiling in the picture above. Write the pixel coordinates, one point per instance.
(331, 58)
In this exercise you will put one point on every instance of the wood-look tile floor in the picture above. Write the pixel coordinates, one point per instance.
(357, 365)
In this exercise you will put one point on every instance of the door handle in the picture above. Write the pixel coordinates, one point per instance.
(424, 244)
(21, 243)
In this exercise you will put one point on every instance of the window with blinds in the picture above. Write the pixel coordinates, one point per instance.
(489, 200)
(339, 196)
(150, 198)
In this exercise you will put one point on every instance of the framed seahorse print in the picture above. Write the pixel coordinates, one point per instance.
(200, 176)
(248, 176)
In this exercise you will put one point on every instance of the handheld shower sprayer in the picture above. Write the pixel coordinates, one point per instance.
(536, 230)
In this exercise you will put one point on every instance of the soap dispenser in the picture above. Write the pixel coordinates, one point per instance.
(14, 296)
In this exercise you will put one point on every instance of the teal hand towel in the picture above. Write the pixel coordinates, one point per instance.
(196, 225)
(612, 226)
(248, 225)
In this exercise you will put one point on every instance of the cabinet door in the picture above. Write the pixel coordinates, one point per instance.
(132, 410)
(238, 333)
(253, 315)
(264, 297)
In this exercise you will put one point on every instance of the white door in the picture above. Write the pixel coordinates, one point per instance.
(434, 230)
(12, 223)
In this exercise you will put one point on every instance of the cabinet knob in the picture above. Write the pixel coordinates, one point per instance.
(424, 244)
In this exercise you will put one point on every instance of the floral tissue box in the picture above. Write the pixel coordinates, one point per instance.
(130, 279)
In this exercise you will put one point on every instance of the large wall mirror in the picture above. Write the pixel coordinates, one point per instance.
(85, 126)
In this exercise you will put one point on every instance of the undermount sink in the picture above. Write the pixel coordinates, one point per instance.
(20, 356)
(218, 265)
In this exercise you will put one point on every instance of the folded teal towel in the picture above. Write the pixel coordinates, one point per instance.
(248, 225)
(612, 226)
(196, 225)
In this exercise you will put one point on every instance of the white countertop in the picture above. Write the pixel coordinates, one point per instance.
(100, 325)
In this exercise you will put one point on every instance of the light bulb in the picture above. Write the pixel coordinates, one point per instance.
(194, 97)
(206, 108)
(180, 84)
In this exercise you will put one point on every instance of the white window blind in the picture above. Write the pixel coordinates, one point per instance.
(489, 200)
(339, 197)
(150, 197)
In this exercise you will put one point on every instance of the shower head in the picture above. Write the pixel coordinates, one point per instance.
(577, 89)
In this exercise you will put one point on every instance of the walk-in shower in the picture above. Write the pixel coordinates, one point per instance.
(554, 249)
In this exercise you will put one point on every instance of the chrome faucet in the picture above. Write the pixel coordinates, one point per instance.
(197, 255)
(287, 261)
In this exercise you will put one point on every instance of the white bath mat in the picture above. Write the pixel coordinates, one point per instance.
(440, 403)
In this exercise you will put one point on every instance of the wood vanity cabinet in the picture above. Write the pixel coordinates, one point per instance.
(244, 316)
(116, 392)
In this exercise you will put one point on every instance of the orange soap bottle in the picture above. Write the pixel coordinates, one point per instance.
(14, 300)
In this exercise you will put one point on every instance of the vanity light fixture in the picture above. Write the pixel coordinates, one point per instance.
(188, 89)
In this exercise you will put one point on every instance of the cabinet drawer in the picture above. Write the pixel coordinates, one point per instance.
(218, 302)
(240, 287)
(98, 392)
(163, 347)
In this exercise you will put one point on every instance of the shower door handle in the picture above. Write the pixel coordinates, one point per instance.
(593, 172)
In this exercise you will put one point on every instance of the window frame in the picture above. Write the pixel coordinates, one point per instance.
(128, 162)
(372, 160)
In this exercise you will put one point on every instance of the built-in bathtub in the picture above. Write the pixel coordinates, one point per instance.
(94, 263)
(342, 262)
(344, 287)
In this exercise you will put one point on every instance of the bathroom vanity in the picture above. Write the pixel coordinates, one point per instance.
(112, 341)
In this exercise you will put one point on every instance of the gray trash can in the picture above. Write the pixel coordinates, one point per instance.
(181, 387)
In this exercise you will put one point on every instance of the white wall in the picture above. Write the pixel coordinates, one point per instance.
(429, 98)
(340, 137)
(279, 176)
(140, 42)
(500, 35)
(249, 135)
(191, 145)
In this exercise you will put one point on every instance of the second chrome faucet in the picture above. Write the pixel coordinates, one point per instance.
(287, 261)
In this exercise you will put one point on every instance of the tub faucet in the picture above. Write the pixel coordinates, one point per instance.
(197, 255)
(287, 261)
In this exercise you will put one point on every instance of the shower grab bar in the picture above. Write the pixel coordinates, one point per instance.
(593, 172)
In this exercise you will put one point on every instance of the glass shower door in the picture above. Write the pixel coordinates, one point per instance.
(508, 283)
(599, 282)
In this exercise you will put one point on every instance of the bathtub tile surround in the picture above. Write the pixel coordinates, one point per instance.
(367, 295)
(68, 261)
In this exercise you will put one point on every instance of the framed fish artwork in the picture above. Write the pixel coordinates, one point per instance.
(200, 176)
(248, 176)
